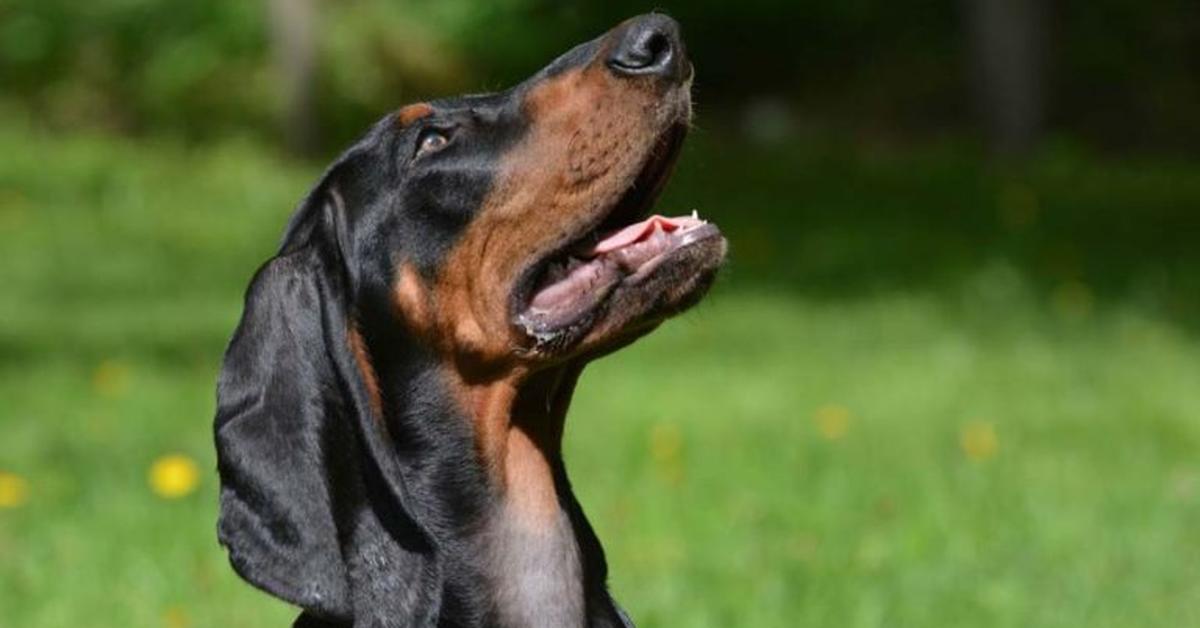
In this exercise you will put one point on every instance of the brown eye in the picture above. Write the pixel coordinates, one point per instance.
(431, 141)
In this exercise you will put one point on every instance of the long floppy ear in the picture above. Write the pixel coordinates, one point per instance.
(314, 509)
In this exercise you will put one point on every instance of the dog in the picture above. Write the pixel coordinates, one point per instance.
(390, 408)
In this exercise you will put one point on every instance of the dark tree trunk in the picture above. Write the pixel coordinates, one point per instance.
(1007, 40)
(293, 43)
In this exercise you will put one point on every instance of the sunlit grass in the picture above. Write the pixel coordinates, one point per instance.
(971, 446)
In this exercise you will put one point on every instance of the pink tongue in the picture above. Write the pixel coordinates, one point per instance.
(639, 231)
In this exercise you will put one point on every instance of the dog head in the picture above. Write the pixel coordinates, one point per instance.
(496, 232)
(512, 227)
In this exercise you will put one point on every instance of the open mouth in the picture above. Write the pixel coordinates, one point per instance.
(565, 294)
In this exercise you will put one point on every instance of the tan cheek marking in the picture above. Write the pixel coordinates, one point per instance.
(411, 113)
(411, 301)
(457, 325)
(363, 359)
(470, 338)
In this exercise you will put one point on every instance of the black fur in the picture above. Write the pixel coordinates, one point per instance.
(362, 522)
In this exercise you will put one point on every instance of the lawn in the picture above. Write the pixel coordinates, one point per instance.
(928, 391)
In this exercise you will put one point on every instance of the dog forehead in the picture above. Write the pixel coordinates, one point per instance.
(502, 106)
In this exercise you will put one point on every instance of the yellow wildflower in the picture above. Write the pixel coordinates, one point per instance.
(14, 490)
(979, 441)
(174, 476)
(832, 421)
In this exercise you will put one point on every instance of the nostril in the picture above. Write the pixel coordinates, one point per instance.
(648, 51)
(658, 48)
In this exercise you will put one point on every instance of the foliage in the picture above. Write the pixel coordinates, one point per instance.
(1122, 73)
(137, 65)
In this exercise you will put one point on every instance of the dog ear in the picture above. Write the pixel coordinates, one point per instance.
(314, 509)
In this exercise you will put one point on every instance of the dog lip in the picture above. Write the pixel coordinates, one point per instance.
(705, 231)
(565, 305)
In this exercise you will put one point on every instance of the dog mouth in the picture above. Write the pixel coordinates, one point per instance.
(564, 295)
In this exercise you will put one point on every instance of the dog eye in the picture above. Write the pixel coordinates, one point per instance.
(432, 140)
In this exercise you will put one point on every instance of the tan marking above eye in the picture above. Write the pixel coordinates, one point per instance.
(411, 113)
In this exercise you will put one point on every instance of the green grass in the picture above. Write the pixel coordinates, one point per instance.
(922, 293)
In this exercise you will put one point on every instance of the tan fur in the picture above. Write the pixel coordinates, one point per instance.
(410, 301)
(359, 348)
(411, 113)
(529, 480)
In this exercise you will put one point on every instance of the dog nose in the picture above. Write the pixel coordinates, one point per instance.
(650, 45)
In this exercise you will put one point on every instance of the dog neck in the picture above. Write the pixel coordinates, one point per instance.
(533, 557)
(520, 551)
(518, 426)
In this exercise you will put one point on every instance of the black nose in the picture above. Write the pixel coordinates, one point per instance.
(650, 45)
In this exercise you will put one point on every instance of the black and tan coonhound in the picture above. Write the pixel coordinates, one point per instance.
(390, 409)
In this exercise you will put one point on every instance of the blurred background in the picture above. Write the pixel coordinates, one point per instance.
(950, 377)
